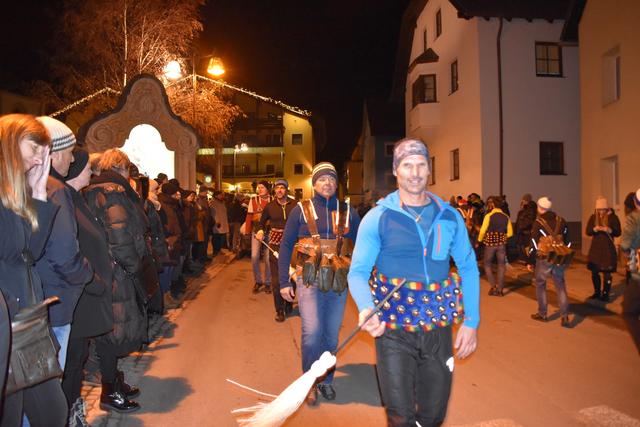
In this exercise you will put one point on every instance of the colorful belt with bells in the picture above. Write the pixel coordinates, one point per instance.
(419, 306)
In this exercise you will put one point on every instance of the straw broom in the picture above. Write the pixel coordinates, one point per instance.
(276, 412)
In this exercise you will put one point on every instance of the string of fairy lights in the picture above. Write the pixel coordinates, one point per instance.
(88, 98)
(108, 90)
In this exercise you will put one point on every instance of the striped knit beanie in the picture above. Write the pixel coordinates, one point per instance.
(321, 169)
(61, 136)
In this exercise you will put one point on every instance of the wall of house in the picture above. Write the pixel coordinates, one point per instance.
(298, 154)
(534, 109)
(609, 130)
(454, 121)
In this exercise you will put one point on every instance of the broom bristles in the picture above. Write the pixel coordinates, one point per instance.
(276, 412)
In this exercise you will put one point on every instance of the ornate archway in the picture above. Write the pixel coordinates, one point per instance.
(144, 101)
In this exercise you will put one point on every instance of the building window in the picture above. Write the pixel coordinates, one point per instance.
(297, 169)
(455, 164)
(298, 193)
(424, 40)
(548, 59)
(438, 23)
(432, 171)
(296, 139)
(270, 169)
(551, 158)
(424, 89)
(454, 76)
(245, 169)
(388, 149)
(611, 76)
(227, 170)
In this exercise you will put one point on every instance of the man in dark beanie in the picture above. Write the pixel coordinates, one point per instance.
(321, 221)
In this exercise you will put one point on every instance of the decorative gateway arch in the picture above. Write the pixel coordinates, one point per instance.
(144, 101)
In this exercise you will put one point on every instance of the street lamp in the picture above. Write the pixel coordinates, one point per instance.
(237, 148)
(173, 72)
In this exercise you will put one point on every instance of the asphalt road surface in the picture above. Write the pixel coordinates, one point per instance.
(524, 373)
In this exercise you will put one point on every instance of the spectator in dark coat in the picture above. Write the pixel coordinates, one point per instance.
(93, 315)
(603, 226)
(63, 269)
(113, 201)
(26, 218)
(171, 215)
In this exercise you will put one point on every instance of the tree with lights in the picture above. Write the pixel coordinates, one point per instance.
(104, 43)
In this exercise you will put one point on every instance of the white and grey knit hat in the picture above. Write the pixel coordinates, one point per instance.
(61, 136)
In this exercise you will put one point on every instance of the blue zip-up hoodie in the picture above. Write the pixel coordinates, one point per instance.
(390, 239)
(296, 227)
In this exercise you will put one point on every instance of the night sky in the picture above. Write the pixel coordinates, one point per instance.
(321, 55)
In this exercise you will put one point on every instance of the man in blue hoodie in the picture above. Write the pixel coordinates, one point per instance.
(411, 235)
(321, 312)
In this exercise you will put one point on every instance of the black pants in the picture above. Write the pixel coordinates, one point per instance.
(44, 404)
(279, 303)
(631, 310)
(414, 378)
(77, 354)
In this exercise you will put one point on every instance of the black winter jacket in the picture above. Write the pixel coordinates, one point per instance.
(108, 200)
(93, 315)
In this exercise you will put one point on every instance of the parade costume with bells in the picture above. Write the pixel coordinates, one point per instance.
(415, 354)
(321, 312)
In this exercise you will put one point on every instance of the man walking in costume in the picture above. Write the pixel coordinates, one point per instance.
(316, 228)
(411, 236)
(275, 215)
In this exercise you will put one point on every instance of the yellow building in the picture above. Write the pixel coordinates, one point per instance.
(272, 141)
(610, 100)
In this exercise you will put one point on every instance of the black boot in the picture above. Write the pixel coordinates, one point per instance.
(607, 287)
(112, 399)
(595, 278)
(128, 390)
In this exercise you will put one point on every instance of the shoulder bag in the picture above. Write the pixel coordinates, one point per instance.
(33, 357)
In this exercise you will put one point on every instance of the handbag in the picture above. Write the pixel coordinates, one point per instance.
(33, 357)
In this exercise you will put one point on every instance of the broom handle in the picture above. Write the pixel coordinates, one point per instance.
(264, 243)
(369, 316)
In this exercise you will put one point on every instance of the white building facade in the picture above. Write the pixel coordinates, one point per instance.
(460, 105)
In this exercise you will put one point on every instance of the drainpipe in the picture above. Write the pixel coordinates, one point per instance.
(501, 137)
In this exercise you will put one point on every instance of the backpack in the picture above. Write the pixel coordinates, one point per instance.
(551, 245)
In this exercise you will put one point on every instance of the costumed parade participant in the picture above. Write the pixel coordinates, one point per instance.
(259, 253)
(316, 229)
(275, 214)
(411, 235)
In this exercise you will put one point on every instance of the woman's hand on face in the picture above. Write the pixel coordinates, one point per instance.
(37, 176)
